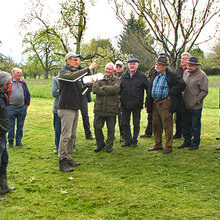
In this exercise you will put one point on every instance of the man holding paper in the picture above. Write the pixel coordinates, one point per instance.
(106, 107)
(70, 101)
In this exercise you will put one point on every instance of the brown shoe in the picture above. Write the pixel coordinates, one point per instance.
(91, 137)
(145, 135)
(167, 151)
(64, 167)
(154, 148)
(73, 163)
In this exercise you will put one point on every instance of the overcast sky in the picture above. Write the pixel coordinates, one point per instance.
(101, 23)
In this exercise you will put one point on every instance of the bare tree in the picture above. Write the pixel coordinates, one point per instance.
(175, 24)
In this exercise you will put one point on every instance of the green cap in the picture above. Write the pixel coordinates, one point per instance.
(71, 54)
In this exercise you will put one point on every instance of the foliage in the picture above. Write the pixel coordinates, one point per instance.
(129, 183)
(136, 41)
(175, 25)
(41, 49)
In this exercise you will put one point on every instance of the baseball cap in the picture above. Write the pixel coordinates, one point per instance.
(71, 54)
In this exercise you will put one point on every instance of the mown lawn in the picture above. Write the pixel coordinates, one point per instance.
(129, 183)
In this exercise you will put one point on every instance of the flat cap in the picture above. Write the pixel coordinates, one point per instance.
(133, 60)
(193, 61)
(71, 54)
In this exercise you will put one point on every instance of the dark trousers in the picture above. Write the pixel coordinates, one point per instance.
(149, 124)
(3, 156)
(18, 114)
(120, 123)
(191, 126)
(85, 117)
(178, 124)
(99, 122)
(136, 114)
(57, 129)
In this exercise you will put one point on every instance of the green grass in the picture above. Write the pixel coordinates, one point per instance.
(129, 183)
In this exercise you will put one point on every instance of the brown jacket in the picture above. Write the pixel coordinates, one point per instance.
(196, 89)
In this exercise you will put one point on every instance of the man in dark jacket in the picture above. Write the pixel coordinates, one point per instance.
(70, 100)
(180, 70)
(5, 82)
(164, 97)
(133, 84)
(106, 107)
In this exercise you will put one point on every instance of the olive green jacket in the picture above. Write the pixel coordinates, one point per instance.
(107, 102)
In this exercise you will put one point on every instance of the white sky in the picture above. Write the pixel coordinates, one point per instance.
(101, 23)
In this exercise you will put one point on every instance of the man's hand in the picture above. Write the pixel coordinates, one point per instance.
(93, 64)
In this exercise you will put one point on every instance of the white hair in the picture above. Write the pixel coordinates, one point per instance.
(4, 78)
(109, 64)
(15, 68)
(186, 53)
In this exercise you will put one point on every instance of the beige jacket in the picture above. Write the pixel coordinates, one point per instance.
(196, 89)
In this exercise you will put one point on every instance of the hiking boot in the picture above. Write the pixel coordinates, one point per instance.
(73, 163)
(64, 167)
(4, 188)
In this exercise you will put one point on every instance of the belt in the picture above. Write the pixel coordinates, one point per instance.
(159, 100)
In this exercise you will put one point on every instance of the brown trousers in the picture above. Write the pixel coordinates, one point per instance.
(162, 119)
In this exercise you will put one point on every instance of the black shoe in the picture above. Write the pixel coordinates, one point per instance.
(194, 148)
(109, 150)
(176, 136)
(126, 144)
(154, 148)
(217, 148)
(184, 145)
(99, 148)
(19, 144)
(10, 144)
(167, 151)
(218, 138)
(133, 145)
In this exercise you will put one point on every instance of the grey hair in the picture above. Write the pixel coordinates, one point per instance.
(15, 68)
(110, 64)
(186, 53)
(4, 78)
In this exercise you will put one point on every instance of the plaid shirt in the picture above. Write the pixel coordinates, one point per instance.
(160, 89)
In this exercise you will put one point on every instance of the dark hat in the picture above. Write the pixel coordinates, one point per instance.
(71, 54)
(194, 61)
(133, 60)
(162, 61)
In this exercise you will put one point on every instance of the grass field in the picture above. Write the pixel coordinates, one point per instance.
(129, 183)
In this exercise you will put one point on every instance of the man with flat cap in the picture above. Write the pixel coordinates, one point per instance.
(70, 101)
(193, 95)
(164, 97)
(133, 84)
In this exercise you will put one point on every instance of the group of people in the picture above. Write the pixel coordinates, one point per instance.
(122, 93)
(118, 93)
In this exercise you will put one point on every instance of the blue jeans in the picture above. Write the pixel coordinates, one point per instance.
(57, 129)
(126, 114)
(18, 114)
(191, 126)
(3, 155)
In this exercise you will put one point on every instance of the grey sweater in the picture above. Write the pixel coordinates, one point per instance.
(196, 89)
